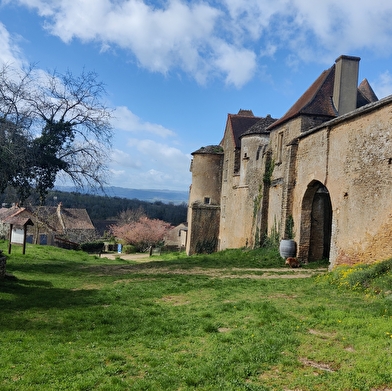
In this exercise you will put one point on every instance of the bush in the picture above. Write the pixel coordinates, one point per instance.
(129, 249)
(92, 247)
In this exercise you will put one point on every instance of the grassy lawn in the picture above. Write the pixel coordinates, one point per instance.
(229, 321)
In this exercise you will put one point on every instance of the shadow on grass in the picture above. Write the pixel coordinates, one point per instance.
(22, 295)
(51, 267)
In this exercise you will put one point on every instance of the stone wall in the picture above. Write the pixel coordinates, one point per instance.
(352, 157)
(204, 199)
(204, 235)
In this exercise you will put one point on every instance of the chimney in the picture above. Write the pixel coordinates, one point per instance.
(346, 84)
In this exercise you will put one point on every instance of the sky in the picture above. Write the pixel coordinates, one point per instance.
(173, 70)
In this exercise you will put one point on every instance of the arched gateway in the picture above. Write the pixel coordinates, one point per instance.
(316, 223)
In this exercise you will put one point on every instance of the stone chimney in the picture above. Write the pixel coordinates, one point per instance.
(346, 84)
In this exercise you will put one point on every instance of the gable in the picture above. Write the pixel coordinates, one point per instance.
(236, 126)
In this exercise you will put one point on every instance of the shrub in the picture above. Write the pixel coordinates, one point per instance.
(92, 247)
(129, 249)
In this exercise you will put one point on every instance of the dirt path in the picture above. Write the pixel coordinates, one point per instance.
(152, 265)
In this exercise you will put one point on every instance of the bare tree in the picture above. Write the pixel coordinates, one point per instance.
(53, 124)
(131, 215)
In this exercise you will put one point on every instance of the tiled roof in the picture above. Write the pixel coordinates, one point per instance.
(209, 149)
(16, 216)
(366, 94)
(317, 99)
(71, 218)
(76, 219)
(260, 127)
(6, 212)
(240, 124)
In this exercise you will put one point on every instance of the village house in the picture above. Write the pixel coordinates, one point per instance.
(321, 175)
(57, 226)
(176, 237)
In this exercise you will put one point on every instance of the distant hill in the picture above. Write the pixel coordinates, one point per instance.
(166, 196)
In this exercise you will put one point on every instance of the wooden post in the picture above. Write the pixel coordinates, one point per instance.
(9, 243)
(24, 239)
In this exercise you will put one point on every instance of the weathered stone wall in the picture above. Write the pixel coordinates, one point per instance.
(204, 235)
(283, 174)
(352, 157)
(229, 196)
(206, 189)
(242, 194)
(206, 178)
(255, 153)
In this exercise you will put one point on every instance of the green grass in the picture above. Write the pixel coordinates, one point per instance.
(76, 322)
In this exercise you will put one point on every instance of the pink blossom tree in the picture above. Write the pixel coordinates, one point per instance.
(142, 233)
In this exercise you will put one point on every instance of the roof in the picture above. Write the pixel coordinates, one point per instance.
(76, 219)
(366, 94)
(71, 218)
(240, 123)
(209, 149)
(260, 127)
(6, 212)
(317, 99)
(16, 216)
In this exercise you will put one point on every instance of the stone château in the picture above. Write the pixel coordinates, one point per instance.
(321, 174)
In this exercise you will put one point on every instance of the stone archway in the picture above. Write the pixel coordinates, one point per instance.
(316, 223)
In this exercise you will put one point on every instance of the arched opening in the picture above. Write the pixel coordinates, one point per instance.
(316, 223)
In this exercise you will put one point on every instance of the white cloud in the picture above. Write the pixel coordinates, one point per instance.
(125, 160)
(161, 155)
(150, 165)
(9, 53)
(238, 64)
(222, 38)
(383, 85)
(124, 119)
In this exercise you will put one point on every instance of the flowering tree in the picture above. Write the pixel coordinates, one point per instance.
(142, 233)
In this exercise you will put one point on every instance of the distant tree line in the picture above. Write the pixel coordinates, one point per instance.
(110, 208)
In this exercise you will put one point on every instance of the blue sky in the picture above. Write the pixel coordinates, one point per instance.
(174, 69)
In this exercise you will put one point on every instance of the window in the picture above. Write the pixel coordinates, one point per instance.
(207, 200)
(258, 152)
(280, 148)
(237, 157)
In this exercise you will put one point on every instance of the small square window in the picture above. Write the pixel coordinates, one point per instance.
(207, 200)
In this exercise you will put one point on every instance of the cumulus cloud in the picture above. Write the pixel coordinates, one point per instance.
(124, 119)
(150, 165)
(238, 64)
(161, 155)
(124, 159)
(9, 53)
(224, 38)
